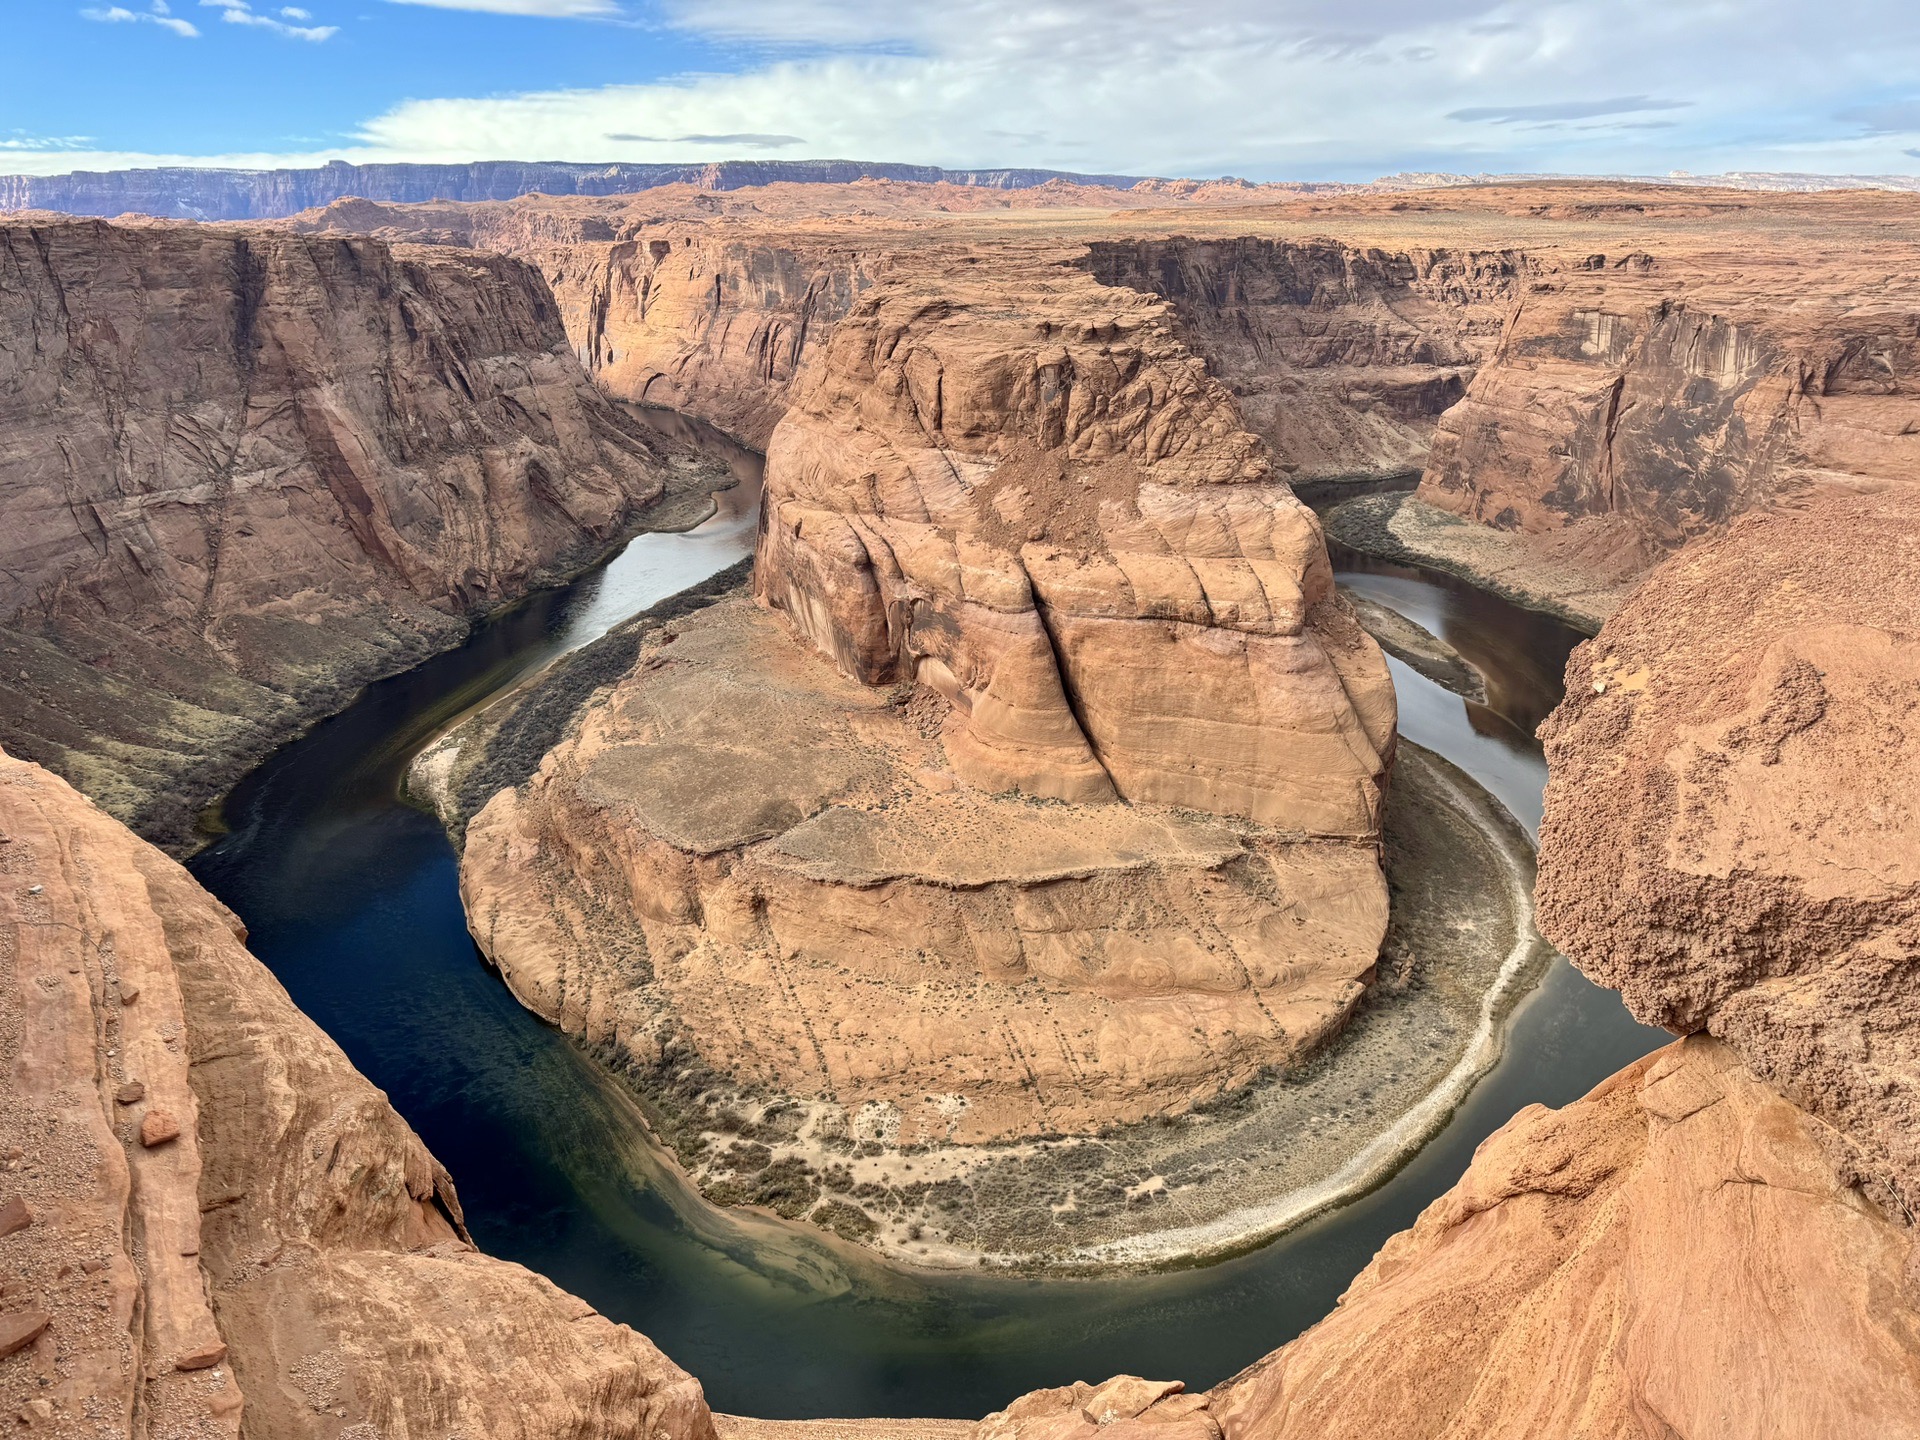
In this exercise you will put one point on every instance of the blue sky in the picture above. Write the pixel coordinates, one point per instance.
(1270, 89)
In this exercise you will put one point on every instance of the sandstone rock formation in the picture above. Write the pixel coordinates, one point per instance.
(1034, 500)
(244, 472)
(741, 853)
(198, 193)
(1342, 358)
(1737, 752)
(885, 889)
(1676, 1255)
(293, 1262)
(1659, 395)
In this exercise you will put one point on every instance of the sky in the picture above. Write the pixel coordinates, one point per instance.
(1264, 89)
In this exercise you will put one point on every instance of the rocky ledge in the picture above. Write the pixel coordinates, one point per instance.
(245, 472)
(210, 1223)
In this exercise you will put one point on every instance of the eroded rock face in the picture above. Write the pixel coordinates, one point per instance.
(1737, 753)
(245, 472)
(291, 1262)
(1341, 357)
(1034, 500)
(1649, 1261)
(1658, 397)
(742, 853)
(857, 861)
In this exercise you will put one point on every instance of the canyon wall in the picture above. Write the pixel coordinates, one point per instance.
(1737, 752)
(211, 1224)
(668, 309)
(1659, 396)
(1342, 357)
(1720, 1240)
(853, 868)
(245, 472)
(198, 193)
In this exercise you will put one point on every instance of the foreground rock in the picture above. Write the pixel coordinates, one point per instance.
(1677, 1254)
(1737, 752)
(245, 472)
(293, 1261)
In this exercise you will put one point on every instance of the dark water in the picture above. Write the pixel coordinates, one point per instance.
(352, 900)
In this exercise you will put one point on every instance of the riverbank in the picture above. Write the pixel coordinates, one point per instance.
(1527, 571)
(1225, 1177)
(186, 827)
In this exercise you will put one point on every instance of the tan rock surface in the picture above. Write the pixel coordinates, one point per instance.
(294, 1263)
(1737, 753)
(742, 851)
(1676, 1255)
(1647, 398)
(244, 472)
(1028, 494)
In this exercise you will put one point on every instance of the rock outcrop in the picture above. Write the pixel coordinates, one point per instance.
(1720, 1240)
(859, 866)
(1676, 1255)
(1737, 754)
(210, 1223)
(1342, 357)
(196, 193)
(1658, 396)
(1032, 498)
(245, 472)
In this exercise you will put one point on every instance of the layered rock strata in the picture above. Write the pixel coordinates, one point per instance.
(246, 472)
(1034, 500)
(1047, 800)
(1651, 398)
(1342, 358)
(210, 1223)
(1677, 1254)
(1740, 746)
(820, 909)
(1718, 1241)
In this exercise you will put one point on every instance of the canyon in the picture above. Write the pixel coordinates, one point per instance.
(1036, 786)
(246, 472)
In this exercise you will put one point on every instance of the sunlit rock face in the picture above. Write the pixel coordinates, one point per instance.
(244, 472)
(1037, 502)
(215, 1225)
(1040, 793)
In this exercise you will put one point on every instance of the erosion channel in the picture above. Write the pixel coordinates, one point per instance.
(351, 896)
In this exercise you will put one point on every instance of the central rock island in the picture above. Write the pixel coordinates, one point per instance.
(1040, 793)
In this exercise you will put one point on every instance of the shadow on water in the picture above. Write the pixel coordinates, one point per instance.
(352, 899)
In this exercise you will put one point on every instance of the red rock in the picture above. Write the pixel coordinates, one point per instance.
(380, 442)
(16, 1214)
(203, 1357)
(20, 1328)
(157, 1127)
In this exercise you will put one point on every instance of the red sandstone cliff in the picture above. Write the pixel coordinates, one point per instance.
(1663, 394)
(244, 472)
(210, 1223)
(1737, 753)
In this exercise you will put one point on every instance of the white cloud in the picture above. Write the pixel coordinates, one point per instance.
(1312, 88)
(241, 12)
(549, 9)
(159, 15)
(1302, 89)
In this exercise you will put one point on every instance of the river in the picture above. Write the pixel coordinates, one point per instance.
(352, 900)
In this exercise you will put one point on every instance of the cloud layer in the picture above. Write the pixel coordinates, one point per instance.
(1302, 89)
